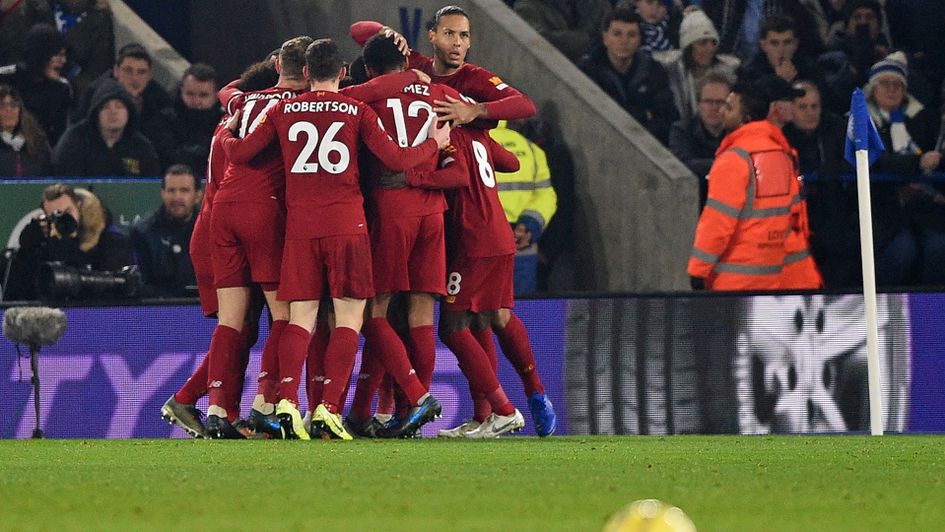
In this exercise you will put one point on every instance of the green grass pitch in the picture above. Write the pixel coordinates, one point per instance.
(574, 483)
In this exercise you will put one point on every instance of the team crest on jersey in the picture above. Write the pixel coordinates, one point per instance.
(497, 81)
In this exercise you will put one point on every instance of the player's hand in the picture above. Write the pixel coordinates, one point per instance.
(458, 111)
(233, 123)
(441, 134)
(398, 39)
(422, 76)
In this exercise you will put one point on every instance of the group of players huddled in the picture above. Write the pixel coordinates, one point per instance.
(341, 240)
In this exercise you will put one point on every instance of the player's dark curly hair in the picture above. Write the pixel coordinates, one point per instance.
(292, 56)
(382, 56)
(258, 76)
(324, 60)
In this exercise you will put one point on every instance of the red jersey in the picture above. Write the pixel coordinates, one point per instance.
(216, 168)
(476, 223)
(320, 134)
(407, 116)
(501, 100)
(261, 179)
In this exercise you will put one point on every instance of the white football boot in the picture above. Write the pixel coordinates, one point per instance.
(459, 431)
(496, 425)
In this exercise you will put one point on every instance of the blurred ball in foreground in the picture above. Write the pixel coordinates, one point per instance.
(650, 515)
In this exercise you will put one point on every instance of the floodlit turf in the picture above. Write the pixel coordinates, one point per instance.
(574, 484)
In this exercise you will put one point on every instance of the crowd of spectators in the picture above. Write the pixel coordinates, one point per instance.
(100, 113)
(826, 48)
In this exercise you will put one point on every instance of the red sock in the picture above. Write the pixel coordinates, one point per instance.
(423, 353)
(401, 403)
(515, 346)
(223, 360)
(481, 406)
(500, 403)
(315, 364)
(385, 396)
(196, 385)
(484, 337)
(392, 353)
(235, 392)
(339, 362)
(475, 365)
(293, 346)
(268, 381)
(369, 378)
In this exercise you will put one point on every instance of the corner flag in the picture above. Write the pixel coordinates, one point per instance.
(862, 148)
(861, 132)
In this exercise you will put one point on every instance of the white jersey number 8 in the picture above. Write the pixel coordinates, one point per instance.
(327, 146)
(486, 173)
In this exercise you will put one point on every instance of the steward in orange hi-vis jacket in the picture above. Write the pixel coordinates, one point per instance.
(753, 192)
(799, 271)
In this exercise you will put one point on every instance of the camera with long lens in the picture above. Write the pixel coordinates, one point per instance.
(65, 223)
(57, 280)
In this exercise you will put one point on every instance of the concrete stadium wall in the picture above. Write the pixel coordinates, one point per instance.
(636, 203)
(169, 66)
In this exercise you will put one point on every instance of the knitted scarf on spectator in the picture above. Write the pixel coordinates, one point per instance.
(902, 142)
(14, 140)
(654, 36)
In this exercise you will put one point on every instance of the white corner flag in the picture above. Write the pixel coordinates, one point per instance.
(863, 147)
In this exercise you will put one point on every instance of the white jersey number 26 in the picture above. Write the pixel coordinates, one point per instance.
(326, 148)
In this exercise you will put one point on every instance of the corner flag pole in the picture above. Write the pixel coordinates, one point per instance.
(869, 292)
(863, 147)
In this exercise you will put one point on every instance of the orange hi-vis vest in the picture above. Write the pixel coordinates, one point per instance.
(753, 190)
(800, 272)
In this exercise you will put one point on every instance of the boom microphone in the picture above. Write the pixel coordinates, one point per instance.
(34, 326)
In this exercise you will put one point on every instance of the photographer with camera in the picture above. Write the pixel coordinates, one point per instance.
(71, 243)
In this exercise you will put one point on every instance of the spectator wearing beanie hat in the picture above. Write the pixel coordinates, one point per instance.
(909, 222)
(38, 78)
(911, 128)
(697, 56)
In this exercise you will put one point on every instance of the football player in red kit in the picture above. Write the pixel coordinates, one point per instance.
(248, 226)
(451, 38)
(327, 250)
(406, 227)
(181, 408)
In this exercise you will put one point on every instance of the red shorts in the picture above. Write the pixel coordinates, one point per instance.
(409, 254)
(479, 284)
(248, 241)
(201, 257)
(336, 266)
